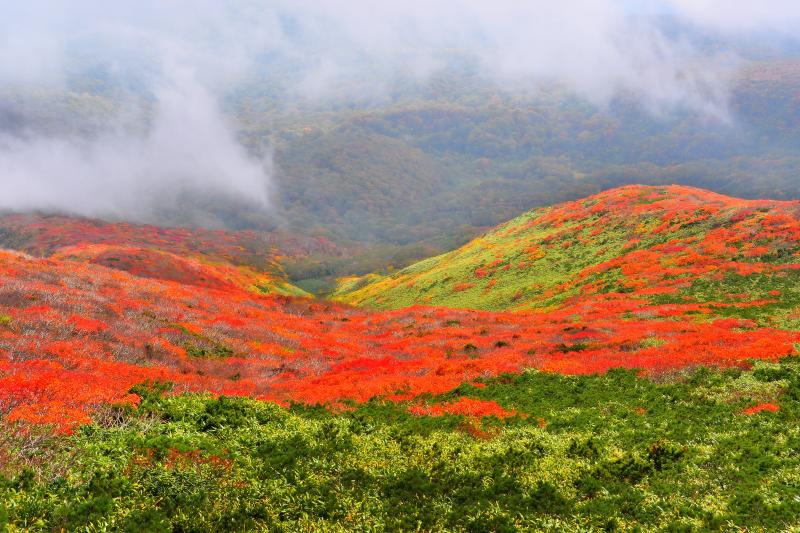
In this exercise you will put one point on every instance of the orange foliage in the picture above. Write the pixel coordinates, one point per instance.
(761, 407)
(81, 335)
(463, 406)
(87, 325)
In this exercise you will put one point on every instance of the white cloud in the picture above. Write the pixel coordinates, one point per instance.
(598, 48)
(188, 147)
(741, 15)
(594, 46)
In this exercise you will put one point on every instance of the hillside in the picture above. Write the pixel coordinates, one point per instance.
(139, 377)
(645, 245)
(68, 325)
(629, 278)
(456, 154)
(215, 258)
(376, 172)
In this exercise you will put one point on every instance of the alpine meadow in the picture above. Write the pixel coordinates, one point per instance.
(441, 265)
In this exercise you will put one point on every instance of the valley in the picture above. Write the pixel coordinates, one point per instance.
(671, 290)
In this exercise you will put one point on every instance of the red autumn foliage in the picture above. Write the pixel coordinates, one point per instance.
(761, 407)
(463, 406)
(77, 335)
(45, 235)
(284, 349)
(87, 325)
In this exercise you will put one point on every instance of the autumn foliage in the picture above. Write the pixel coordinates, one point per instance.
(770, 407)
(77, 332)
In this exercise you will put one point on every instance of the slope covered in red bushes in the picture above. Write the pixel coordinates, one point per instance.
(42, 235)
(656, 244)
(76, 335)
(213, 258)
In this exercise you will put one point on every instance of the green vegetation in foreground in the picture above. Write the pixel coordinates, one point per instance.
(595, 452)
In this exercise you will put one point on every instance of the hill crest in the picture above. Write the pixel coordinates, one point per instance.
(660, 243)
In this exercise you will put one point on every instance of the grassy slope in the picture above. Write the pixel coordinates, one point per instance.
(661, 244)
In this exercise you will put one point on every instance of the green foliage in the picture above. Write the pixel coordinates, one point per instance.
(201, 347)
(213, 351)
(611, 451)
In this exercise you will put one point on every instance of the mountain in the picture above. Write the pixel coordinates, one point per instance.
(444, 161)
(143, 369)
(423, 164)
(657, 245)
(657, 279)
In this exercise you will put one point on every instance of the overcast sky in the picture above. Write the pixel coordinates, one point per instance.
(596, 46)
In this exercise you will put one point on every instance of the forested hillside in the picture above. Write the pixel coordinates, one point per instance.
(435, 163)
(480, 156)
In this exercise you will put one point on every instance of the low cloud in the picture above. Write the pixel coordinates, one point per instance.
(188, 147)
(596, 47)
(741, 15)
(190, 55)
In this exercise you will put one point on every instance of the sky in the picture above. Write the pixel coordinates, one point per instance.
(188, 54)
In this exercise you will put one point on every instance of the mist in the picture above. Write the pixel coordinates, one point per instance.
(782, 16)
(189, 145)
(186, 57)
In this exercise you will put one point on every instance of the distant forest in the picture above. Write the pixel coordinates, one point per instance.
(430, 165)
